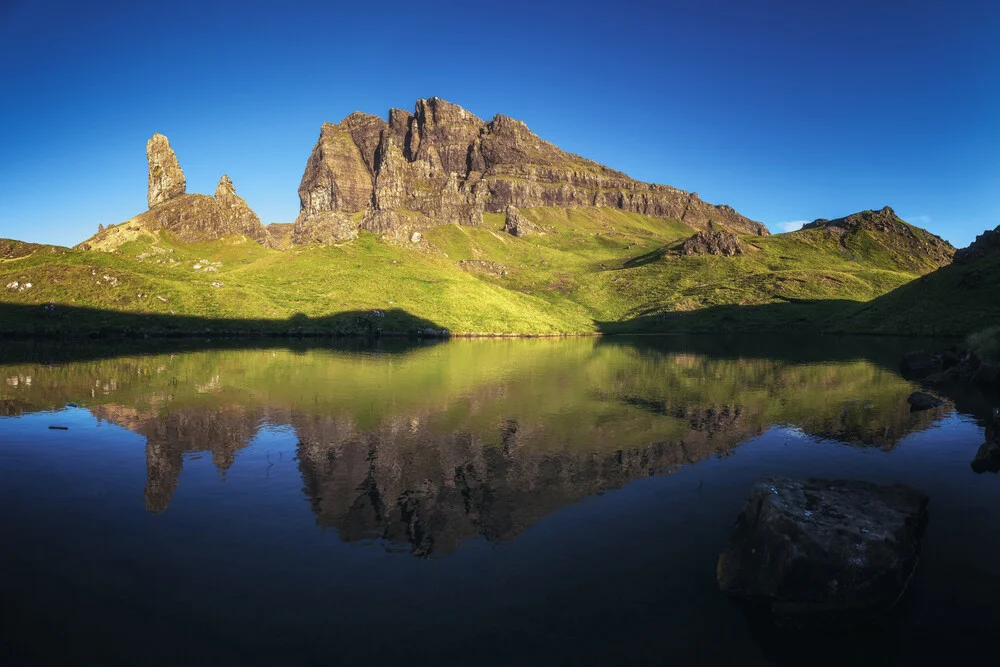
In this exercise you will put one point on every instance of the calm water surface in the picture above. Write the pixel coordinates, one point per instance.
(483, 502)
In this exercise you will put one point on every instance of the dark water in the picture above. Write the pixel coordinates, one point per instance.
(481, 502)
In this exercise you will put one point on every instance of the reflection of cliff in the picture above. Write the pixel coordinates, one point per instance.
(426, 491)
(221, 431)
(471, 438)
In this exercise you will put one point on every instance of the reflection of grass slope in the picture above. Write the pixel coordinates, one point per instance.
(564, 395)
(590, 265)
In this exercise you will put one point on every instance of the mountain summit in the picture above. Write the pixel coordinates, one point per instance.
(442, 164)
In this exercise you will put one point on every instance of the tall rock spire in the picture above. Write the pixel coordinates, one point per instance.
(166, 180)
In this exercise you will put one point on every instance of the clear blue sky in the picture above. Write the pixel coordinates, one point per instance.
(788, 110)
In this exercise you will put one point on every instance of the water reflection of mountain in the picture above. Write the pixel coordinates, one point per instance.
(468, 439)
(427, 491)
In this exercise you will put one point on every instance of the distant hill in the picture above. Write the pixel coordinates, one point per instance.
(438, 220)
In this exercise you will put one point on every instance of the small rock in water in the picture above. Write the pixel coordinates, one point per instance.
(823, 552)
(59, 428)
(919, 400)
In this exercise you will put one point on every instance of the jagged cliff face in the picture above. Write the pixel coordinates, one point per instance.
(166, 179)
(442, 164)
(191, 218)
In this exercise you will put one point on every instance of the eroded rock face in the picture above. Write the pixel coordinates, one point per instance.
(336, 178)
(713, 242)
(823, 552)
(442, 164)
(191, 218)
(166, 180)
(235, 216)
(326, 227)
(516, 224)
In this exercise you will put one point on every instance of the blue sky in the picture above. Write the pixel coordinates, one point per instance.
(786, 110)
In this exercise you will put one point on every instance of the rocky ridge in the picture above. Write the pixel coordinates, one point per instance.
(985, 244)
(442, 164)
(907, 239)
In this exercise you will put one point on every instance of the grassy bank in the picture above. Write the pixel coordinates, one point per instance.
(591, 271)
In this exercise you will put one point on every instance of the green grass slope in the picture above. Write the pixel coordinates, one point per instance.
(591, 270)
(957, 299)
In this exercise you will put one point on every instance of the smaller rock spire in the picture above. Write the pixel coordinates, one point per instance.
(225, 187)
(166, 180)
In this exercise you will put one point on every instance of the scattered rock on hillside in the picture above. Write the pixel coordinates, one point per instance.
(324, 227)
(516, 224)
(713, 242)
(166, 180)
(821, 552)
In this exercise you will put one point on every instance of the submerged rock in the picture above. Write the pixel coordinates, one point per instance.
(823, 551)
(919, 400)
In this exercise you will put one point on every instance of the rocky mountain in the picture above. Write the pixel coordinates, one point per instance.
(442, 164)
(911, 246)
(188, 217)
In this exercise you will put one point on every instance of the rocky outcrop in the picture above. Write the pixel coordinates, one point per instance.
(166, 180)
(985, 244)
(235, 216)
(442, 164)
(821, 552)
(192, 218)
(516, 224)
(325, 227)
(906, 240)
(713, 242)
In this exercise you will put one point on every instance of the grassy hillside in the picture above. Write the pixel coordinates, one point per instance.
(957, 299)
(591, 270)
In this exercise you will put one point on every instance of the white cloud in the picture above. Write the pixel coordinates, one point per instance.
(791, 226)
(920, 219)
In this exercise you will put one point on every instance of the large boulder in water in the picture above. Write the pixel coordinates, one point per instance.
(988, 457)
(823, 552)
(920, 400)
